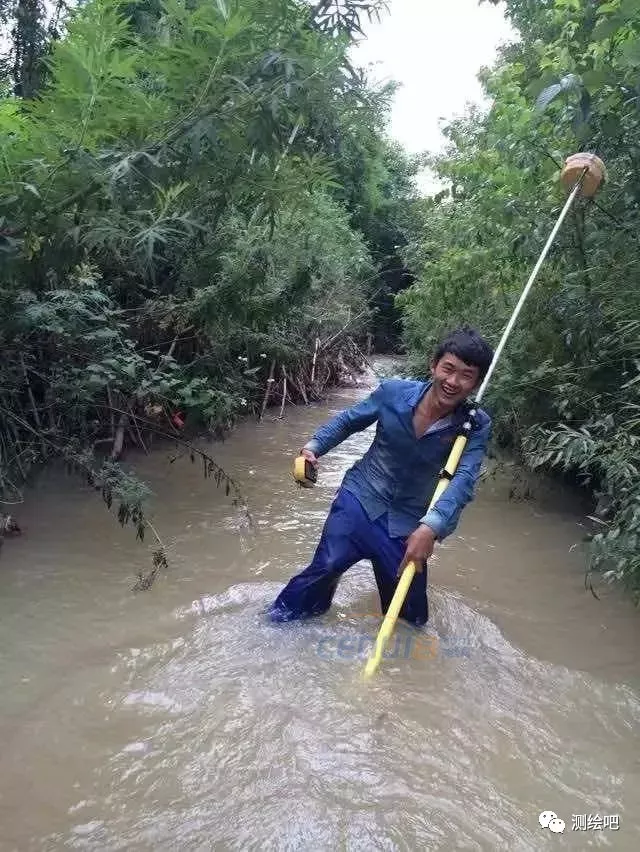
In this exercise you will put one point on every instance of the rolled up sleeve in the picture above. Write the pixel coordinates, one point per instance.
(346, 423)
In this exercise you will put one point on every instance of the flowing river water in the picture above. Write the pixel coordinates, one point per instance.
(180, 719)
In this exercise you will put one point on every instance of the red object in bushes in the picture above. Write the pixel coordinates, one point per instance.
(178, 419)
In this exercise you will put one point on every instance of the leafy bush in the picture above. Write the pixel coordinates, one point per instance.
(182, 198)
(567, 393)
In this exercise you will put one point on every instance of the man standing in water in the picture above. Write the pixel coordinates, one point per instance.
(379, 510)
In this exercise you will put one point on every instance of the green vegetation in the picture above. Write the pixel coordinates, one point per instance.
(567, 395)
(191, 194)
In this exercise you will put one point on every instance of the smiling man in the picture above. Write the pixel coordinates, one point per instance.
(379, 511)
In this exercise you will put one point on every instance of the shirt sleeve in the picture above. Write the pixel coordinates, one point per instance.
(444, 516)
(346, 423)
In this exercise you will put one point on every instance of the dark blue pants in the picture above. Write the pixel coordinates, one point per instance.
(348, 536)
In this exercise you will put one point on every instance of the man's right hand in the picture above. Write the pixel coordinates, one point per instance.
(309, 456)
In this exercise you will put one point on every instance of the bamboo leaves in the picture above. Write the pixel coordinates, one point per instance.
(184, 203)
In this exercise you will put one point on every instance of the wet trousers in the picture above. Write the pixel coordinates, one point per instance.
(347, 537)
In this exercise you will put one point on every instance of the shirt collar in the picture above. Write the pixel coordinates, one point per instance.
(418, 392)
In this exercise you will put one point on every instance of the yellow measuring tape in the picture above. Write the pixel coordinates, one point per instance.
(304, 473)
(389, 623)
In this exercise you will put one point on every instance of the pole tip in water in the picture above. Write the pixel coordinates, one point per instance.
(372, 665)
(574, 167)
(368, 672)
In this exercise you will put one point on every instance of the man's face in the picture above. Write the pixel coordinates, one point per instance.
(453, 380)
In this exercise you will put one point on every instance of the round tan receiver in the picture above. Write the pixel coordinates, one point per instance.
(574, 167)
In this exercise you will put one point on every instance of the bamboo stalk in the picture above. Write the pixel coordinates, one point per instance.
(267, 390)
(175, 340)
(16, 454)
(313, 364)
(290, 385)
(140, 438)
(361, 355)
(36, 415)
(118, 441)
(111, 414)
(50, 403)
(284, 391)
(300, 384)
(334, 337)
(129, 433)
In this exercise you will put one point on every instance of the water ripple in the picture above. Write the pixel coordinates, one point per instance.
(256, 741)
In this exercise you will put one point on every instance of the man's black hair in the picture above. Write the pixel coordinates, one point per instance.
(468, 345)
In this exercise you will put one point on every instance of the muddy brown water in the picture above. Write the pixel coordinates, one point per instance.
(179, 719)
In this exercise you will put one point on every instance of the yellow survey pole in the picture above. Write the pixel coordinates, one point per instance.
(389, 623)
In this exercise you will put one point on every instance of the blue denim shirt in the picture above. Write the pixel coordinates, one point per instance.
(399, 472)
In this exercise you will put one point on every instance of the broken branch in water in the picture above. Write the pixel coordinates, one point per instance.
(159, 562)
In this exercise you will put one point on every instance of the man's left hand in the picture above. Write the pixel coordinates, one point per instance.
(419, 548)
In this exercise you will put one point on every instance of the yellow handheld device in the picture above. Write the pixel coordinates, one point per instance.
(304, 472)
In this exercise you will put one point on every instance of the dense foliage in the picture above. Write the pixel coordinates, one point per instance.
(567, 395)
(191, 194)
